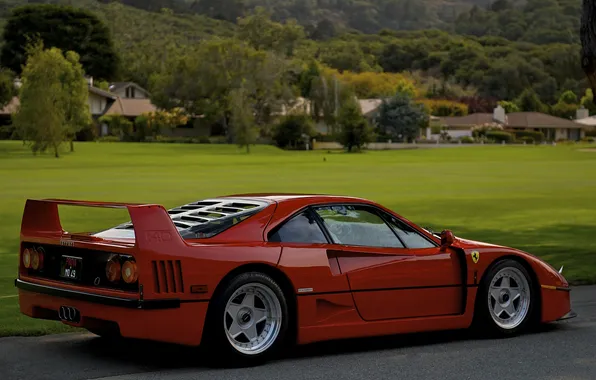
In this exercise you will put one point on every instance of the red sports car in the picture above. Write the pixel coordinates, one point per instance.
(246, 275)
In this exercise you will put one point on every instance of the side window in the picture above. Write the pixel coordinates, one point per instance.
(357, 225)
(302, 228)
(410, 237)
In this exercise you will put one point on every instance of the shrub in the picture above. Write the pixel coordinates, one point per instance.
(529, 136)
(500, 136)
(467, 140)
(293, 132)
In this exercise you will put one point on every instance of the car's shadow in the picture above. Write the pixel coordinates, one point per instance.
(158, 356)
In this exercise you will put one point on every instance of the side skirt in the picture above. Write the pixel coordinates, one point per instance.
(334, 316)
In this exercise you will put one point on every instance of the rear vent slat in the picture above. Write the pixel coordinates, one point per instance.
(167, 276)
(170, 276)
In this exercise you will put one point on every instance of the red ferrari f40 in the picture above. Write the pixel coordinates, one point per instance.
(246, 275)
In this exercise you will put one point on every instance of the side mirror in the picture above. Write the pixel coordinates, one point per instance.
(447, 239)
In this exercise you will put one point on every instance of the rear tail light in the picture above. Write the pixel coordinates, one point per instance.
(113, 269)
(37, 257)
(130, 273)
(27, 258)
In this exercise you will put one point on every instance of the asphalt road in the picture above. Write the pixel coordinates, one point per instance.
(561, 351)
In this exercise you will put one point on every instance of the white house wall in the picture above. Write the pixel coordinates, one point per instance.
(97, 104)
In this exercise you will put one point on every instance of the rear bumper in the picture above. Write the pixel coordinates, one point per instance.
(176, 321)
(99, 299)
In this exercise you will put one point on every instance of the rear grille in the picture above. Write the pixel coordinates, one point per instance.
(167, 276)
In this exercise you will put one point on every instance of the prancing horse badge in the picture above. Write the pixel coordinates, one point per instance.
(475, 256)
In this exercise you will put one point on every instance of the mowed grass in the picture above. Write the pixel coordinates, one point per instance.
(541, 199)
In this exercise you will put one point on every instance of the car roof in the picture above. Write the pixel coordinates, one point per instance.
(298, 197)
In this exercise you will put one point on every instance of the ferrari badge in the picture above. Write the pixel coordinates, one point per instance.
(475, 256)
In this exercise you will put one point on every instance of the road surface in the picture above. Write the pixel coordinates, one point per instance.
(562, 351)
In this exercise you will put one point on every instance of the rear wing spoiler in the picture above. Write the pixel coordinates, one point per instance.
(151, 222)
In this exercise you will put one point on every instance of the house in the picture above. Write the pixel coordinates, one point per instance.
(125, 98)
(99, 101)
(128, 90)
(554, 128)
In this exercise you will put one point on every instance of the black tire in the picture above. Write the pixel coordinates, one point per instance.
(215, 340)
(483, 320)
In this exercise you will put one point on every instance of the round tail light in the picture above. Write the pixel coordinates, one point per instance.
(113, 270)
(27, 258)
(129, 272)
(37, 259)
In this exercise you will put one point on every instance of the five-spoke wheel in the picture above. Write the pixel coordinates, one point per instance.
(248, 320)
(253, 318)
(507, 289)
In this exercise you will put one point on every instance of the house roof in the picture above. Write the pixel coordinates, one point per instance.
(538, 120)
(591, 121)
(100, 92)
(467, 120)
(513, 120)
(11, 107)
(130, 107)
(120, 85)
(369, 105)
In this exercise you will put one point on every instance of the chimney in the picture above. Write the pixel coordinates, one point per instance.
(582, 113)
(90, 81)
(499, 114)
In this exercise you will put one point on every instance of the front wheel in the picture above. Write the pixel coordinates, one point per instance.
(507, 298)
(249, 320)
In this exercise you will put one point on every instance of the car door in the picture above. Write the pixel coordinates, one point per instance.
(393, 271)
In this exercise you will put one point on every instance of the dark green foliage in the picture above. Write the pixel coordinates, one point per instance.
(401, 118)
(64, 27)
(324, 17)
(500, 136)
(536, 21)
(529, 136)
(355, 131)
(529, 101)
(293, 132)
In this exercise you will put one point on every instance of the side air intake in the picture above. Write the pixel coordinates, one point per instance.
(167, 276)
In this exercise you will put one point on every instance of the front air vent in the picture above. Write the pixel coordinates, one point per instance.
(167, 276)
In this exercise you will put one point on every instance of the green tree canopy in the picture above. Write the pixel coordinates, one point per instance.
(401, 118)
(53, 99)
(63, 27)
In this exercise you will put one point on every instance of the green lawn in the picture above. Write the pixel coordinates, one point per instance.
(537, 198)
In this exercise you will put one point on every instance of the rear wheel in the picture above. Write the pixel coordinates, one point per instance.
(506, 298)
(248, 322)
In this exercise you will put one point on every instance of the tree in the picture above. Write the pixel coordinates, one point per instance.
(355, 131)
(77, 114)
(401, 118)
(529, 101)
(63, 27)
(588, 41)
(262, 33)
(293, 130)
(508, 106)
(53, 99)
(243, 122)
(201, 80)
